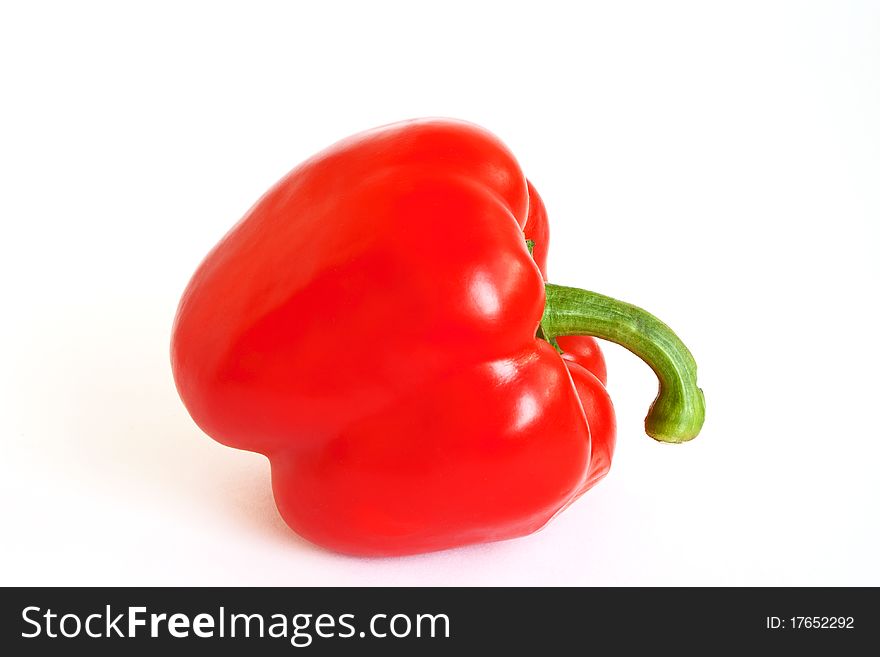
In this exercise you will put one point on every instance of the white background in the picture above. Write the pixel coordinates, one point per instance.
(717, 163)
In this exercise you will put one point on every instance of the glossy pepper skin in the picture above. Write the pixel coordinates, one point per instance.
(372, 326)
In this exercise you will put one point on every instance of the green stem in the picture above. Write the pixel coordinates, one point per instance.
(678, 411)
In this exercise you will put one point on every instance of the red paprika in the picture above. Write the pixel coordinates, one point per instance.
(379, 327)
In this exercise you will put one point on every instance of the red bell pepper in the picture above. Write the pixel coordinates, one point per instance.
(378, 326)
